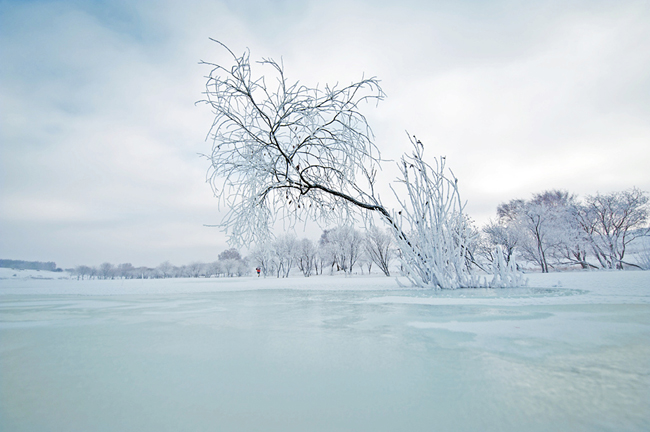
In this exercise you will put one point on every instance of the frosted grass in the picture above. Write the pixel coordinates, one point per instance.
(570, 352)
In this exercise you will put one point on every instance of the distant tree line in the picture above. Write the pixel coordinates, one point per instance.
(339, 250)
(229, 264)
(342, 249)
(555, 229)
(28, 265)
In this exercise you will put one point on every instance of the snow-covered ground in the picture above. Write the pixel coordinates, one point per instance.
(569, 352)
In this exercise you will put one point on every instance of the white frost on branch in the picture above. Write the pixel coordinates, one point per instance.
(285, 150)
(433, 233)
(282, 150)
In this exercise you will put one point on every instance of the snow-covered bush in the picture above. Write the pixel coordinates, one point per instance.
(434, 235)
(504, 271)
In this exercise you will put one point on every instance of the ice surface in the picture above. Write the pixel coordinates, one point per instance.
(570, 352)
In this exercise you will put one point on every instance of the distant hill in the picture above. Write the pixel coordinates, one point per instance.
(28, 265)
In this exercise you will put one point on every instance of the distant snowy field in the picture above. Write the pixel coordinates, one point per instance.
(569, 352)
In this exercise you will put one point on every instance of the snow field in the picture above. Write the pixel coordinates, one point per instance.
(569, 352)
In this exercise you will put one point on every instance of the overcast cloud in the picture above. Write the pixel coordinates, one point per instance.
(100, 135)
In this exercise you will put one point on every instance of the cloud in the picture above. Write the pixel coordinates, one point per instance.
(100, 134)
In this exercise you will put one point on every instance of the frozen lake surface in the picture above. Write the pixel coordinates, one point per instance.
(569, 353)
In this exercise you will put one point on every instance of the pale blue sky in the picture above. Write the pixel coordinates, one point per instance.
(99, 133)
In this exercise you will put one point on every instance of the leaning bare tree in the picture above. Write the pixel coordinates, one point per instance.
(286, 150)
(283, 150)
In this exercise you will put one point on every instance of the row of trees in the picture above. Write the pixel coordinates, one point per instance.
(229, 264)
(341, 249)
(554, 228)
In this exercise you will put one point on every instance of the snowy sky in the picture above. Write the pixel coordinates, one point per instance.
(100, 135)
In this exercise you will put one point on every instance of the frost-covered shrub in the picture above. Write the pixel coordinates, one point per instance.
(433, 233)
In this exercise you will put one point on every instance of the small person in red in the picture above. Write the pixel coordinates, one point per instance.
(258, 270)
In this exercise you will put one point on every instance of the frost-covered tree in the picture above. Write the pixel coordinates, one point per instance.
(165, 269)
(306, 257)
(612, 221)
(262, 256)
(125, 271)
(213, 269)
(231, 263)
(364, 261)
(107, 271)
(503, 233)
(195, 269)
(540, 225)
(350, 243)
(327, 252)
(575, 244)
(285, 150)
(83, 272)
(285, 249)
(324, 256)
(144, 272)
(644, 253)
(344, 246)
(379, 248)
(231, 253)
(536, 224)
